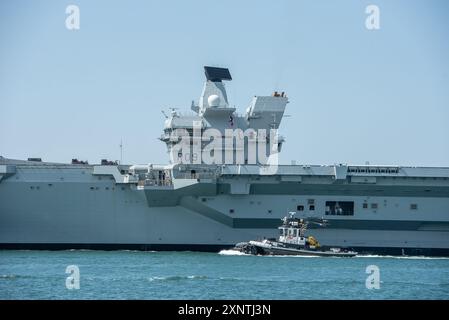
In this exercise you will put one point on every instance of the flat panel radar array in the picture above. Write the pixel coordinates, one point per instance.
(217, 74)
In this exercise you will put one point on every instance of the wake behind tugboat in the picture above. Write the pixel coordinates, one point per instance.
(292, 241)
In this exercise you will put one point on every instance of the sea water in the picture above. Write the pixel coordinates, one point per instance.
(226, 275)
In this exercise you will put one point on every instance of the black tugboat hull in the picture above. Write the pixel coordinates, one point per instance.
(263, 248)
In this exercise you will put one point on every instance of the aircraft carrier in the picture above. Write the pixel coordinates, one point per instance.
(199, 203)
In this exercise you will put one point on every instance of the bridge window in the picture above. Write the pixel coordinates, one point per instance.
(413, 206)
(312, 207)
(300, 208)
(373, 205)
(365, 205)
(344, 208)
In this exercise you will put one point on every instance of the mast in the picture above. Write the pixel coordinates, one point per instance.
(121, 151)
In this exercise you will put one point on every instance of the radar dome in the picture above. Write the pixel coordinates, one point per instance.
(213, 100)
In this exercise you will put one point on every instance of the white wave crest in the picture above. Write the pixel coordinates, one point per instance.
(231, 252)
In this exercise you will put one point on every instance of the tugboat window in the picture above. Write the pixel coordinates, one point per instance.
(344, 208)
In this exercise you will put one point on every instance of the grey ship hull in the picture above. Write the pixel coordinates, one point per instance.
(56, 206)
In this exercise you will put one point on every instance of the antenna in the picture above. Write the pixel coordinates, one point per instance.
(173, 112)
(121, 151)
(165, 115)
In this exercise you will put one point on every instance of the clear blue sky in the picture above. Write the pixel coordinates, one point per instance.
(355, 95)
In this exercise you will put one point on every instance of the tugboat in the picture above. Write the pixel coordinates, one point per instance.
(292, 241)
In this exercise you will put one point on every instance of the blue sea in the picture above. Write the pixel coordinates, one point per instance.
(224, 275)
